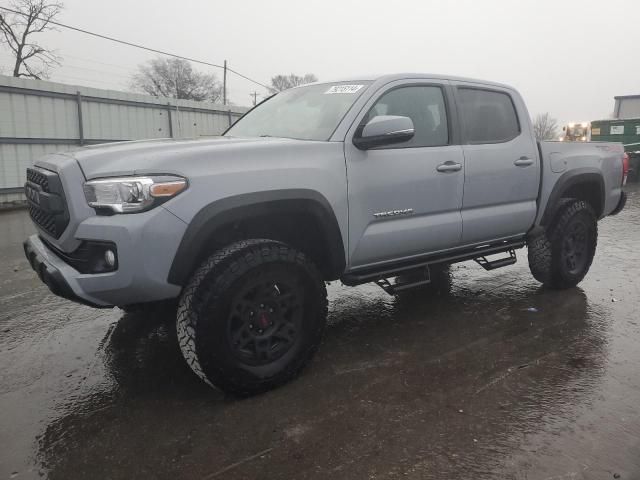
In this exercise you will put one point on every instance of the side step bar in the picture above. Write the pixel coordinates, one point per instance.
(392, 287)
(480, 253)
(500, 262)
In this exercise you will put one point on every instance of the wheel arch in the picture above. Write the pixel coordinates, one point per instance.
(301, 217)
(583, 184)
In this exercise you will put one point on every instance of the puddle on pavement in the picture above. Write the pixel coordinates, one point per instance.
(496, 378)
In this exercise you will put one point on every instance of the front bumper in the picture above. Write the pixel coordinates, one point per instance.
(146, 244)
(621, 203)
(50, 271)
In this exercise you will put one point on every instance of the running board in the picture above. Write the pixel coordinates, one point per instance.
(393, 270)
(500, 262)
(393, 287)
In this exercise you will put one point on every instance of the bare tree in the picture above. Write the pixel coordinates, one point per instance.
(32, 60)
(545, 127)
(175, 78)
(282, 82)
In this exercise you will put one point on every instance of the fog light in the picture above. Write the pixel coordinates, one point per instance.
(110, 258)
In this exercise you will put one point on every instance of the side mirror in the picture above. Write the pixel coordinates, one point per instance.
(383, 130)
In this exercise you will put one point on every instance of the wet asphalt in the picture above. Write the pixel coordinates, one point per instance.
(491, 378)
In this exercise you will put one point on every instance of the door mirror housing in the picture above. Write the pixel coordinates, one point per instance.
(383, 130)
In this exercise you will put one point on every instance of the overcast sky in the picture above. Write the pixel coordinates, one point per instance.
(566, 57)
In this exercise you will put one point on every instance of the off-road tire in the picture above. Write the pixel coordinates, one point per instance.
(547, 260)
(207, 308)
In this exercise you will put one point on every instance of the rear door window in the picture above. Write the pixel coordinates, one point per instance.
(488, 116)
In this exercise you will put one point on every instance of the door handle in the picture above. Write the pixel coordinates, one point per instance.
(523, 162)
(449, 167)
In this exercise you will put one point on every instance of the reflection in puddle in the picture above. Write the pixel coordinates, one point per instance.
(495, 378)
(477, 360)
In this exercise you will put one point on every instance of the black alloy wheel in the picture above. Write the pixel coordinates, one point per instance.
(265, 319)
(252, 316)
(575, 247)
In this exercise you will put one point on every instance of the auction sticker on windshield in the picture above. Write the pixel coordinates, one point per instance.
(343, 89)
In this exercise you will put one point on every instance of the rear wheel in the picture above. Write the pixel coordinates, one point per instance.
(252, 316)
(562, 255)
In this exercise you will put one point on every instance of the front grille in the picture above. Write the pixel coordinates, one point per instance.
(47, 203)
(43, 219)
(38, 178)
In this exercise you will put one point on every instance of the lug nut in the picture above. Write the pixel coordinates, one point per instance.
(271, 310)
(262, 305)
(251, 326)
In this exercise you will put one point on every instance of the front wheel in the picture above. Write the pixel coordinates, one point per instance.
(252, 316)
(561, 256)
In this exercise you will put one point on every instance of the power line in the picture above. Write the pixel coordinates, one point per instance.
(142, 47)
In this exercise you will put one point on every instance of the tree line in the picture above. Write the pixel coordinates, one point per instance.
(161, 77)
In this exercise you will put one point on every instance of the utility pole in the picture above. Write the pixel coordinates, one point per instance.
(255, 98)
(224, 84)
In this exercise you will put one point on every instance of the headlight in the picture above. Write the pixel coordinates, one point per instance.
(132, 194)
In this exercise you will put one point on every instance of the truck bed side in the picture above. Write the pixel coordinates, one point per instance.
(589, 170)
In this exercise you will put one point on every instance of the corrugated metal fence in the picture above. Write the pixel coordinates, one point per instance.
(38, 117)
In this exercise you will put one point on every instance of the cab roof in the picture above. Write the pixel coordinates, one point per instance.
(386, 78)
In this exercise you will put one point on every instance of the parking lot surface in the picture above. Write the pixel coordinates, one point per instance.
(496, 378)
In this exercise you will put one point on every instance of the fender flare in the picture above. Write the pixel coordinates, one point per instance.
(568, 180)
(230, 209)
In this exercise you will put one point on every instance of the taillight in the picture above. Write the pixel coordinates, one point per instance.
(625, 168)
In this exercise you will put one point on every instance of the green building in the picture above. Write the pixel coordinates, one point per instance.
(624, 128)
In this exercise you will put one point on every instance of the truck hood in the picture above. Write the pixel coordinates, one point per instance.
(167, 155)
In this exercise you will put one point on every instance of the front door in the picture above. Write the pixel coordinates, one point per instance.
(405, 199)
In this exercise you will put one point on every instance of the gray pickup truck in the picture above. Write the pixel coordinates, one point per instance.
(366, 180)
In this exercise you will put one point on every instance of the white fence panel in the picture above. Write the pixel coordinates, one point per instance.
(38, 117)
(14, 159)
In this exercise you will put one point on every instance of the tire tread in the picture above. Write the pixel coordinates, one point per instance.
(212, 278)
(544, 248)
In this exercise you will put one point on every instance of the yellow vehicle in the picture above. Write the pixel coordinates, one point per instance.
(575, 132)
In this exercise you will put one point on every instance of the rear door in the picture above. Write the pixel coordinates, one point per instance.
(501, 163)
(405, 199)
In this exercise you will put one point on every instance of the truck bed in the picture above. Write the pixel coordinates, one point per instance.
(563, 160)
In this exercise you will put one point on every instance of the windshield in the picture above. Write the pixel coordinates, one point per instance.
(306, 113)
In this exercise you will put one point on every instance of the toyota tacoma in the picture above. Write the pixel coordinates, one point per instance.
(366, 180)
